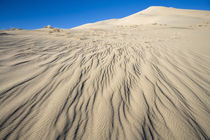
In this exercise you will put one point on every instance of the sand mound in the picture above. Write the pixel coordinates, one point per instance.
(148, 81)
(157, 15)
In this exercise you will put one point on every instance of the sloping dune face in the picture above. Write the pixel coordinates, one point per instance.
(123, 82)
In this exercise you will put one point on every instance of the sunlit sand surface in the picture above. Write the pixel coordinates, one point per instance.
(146, 76)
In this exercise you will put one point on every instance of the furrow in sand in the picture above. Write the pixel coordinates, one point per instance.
(85, 86)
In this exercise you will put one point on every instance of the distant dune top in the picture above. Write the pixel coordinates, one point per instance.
(157, 14)
(160, 10)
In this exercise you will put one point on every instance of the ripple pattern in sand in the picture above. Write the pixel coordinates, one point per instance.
(101, 89)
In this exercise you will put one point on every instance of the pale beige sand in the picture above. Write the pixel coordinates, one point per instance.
(120, 79)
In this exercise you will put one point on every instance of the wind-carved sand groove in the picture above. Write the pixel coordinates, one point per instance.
(101, 89)
(104, 84)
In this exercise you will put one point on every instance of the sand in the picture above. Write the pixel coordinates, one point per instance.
(146, 76)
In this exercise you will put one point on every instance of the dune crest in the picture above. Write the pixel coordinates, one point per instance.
(108, 80)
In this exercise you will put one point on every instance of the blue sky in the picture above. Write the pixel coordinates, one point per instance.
(33, 14)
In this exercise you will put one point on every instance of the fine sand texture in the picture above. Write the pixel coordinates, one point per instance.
(142, 77)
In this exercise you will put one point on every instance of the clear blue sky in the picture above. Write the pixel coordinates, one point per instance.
(33, 14)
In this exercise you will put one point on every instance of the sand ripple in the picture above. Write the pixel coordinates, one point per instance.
(100, 84)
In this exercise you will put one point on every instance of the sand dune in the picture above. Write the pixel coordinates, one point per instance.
(108, 81)
(157, 15)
